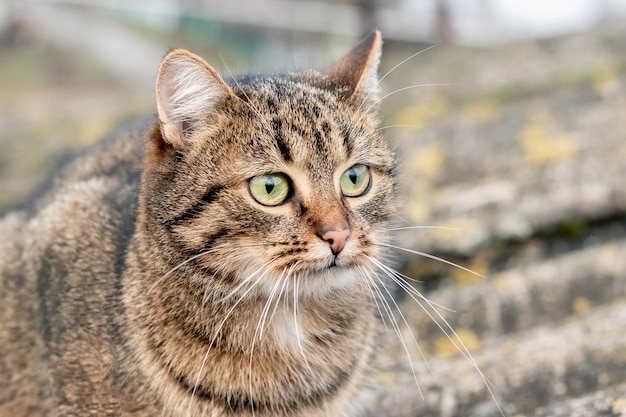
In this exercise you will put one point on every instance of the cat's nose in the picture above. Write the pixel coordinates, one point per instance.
(336, 239)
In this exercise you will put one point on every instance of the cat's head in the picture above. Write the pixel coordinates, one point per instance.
(271, 177)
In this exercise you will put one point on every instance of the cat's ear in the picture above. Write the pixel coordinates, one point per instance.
(187, 90)
(358, 70)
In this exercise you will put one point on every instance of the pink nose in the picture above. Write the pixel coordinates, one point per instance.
(336, 239)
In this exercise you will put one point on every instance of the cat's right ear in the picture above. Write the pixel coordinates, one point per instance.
(187, 90)
(357, 71)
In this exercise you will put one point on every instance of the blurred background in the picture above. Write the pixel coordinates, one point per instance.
(72, 69)
(509, 117)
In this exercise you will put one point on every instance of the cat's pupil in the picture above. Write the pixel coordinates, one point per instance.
(269, 186)
(353, 176)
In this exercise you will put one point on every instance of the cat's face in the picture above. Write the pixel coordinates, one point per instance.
(278, 177)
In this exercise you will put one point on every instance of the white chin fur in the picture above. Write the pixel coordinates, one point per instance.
(315, 284)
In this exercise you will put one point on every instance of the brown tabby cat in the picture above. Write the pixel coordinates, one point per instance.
(212, 262)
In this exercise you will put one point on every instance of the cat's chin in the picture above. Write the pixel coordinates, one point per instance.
(317, 281)
(338, 273)
(322, 282)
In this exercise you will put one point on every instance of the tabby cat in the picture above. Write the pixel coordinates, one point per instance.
(214, 261)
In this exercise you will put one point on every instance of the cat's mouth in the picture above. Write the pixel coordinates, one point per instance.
(338, 262)
(332, 264)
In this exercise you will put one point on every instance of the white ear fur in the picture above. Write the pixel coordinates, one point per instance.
(358, 70)
(186, 90)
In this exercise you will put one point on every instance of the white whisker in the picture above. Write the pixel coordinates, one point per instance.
(245, 281)
(380, 80)
(427, 255)
(448, 331)
(380, 129)
(409, 87)
(266, 308)
(417, 345)
(396, 327)
(296, 283)
(405, 60)
(410, 288)
(219, 329)
(258, 334)
(281, 293)
(376, 294)
(177, 267)
(207, 291)
(423, 227)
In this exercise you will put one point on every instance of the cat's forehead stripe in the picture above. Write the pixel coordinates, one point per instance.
(306, 121)
(277, 125)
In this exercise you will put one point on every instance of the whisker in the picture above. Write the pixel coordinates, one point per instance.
(427, 255)
(381, 296)
(380, 129)
(423, 227)
(375, 90)
(268, 306)
(281, 293)
(207, 291)
(405, 60)
(375, 294)
(396, 327)
(417, 345)
(296, 283)
(410, 288)
(409, 87)
(413, 293)
(221, 325)
(258, 334)
(245, 281)
(177, 267)
(380, 80)
(450, 333)
(398, 278)
(354, 121)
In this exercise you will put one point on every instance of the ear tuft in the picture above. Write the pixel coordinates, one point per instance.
(358, 70)
(187, 90)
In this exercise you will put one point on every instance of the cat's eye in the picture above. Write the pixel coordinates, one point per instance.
(269, 189)
(355, 181)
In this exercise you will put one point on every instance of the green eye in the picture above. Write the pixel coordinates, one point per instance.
(355, 181)
(270, 189)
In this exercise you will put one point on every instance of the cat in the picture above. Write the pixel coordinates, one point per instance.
(214, 260)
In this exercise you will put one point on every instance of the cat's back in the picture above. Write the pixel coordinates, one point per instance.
(79, 220)
(97, 173)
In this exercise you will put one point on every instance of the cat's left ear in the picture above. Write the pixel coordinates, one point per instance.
(358, 70)
(187, 92)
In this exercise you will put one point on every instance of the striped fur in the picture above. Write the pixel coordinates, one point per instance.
(147, 281)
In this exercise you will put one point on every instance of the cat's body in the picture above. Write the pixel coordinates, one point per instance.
(213, 262)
